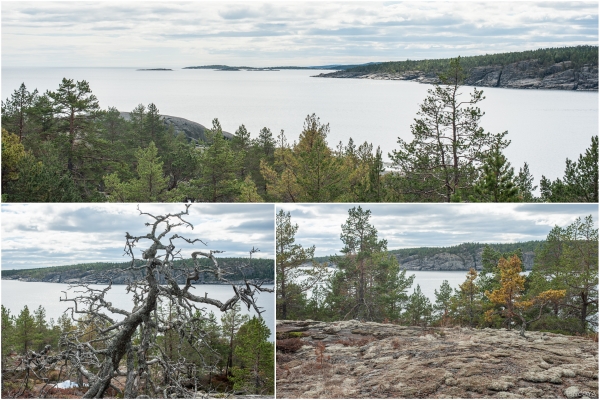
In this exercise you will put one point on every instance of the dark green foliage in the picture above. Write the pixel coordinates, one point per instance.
(256, 356)
(569, 261)
(368, 283)
(578, 55)
(73, 147)
(418, 309)
(470, 248)
(16, 111)
(580, 183)
(38, 183)
(448, 147)
(525, 186)
(497, 181)
(442, 304)
(218, 166)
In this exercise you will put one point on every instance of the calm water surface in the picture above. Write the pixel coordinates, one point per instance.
(545, 126)
(16, 295)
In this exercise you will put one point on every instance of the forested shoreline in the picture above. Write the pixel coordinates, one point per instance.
(59, 146)
(259, 269)
(563, 68)
(559, 295)
(471, 251)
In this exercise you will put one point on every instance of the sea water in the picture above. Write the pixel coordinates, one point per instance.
(544, 126)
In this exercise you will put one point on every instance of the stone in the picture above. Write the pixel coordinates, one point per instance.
(403, 361)
(506, 395)
(572, 392)
(499, 386)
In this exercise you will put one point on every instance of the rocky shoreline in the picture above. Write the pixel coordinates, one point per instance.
(117, 280)
(353, 359)
(453, 262)
(528, 74)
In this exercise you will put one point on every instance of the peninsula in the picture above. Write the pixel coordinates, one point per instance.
(117, 273)
(462, 257)
(567, 68)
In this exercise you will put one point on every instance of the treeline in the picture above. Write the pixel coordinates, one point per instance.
(257, 268)
(469, 248)
(577, 55)
(60, 147)
(234, 354)
(559, 295)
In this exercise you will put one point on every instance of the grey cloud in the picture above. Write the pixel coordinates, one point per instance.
(264, 226)
(238, 13)
(342, 32)
(574, 209)
(111, 28)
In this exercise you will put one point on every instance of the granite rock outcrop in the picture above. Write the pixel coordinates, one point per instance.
(353, 359)
(529, 74)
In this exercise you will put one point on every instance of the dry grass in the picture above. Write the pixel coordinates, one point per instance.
(289, 345)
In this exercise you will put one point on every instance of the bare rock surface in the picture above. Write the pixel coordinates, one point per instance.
(529, 74)
(192, 130)
(353, 359)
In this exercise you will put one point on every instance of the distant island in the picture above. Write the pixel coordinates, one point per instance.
(455, 258)
(155, 69)
(260, 269)
(243, 68)
(565, 68)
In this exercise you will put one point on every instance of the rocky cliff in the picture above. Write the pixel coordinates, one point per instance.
(452, 262)
(351, 359)
(192, 130)
(117, 277)
(530, 74)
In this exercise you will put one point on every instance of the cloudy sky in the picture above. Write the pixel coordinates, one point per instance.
(178, 34)
(435, 225)
(44, 235)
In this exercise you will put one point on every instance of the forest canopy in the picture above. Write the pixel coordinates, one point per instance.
(59, 146)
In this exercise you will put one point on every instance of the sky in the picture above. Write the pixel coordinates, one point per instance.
(435, 225)
(159, 34)
(45, 235)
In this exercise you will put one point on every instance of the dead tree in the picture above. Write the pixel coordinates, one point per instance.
(104, 347)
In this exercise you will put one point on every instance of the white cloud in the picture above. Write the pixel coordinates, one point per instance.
(435, 225)
(43, 235)
(178, 34)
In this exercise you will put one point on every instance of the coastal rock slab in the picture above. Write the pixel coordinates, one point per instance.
(373, 360)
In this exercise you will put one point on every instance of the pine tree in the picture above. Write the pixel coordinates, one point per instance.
(218, 166)
(524, 182)
(24, 331)
(231, 321)
(443, 301)
(309, 171)
(368, 283)
(292, 280)
(77, 107)
(16, 111)
(468, 298)
(580, 183)
(8, 333)
(496, 183)
(568, 260)
(511, 295)
(418, 309)
(255, 373)
(150, 186)
(448, 144)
